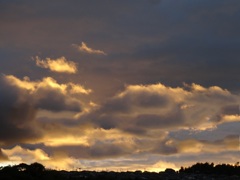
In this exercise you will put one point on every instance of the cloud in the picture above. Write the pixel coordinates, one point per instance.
(86, 141)
(59, 160)
(17, 114)
(77, 89)
(157, 106)
(84, 48)
(3, 157)
(61, 65)
(21, 101)
(130, 164)
(48, 94)
(137, 120)
(46, 83)
(22, 155)
(228, 143)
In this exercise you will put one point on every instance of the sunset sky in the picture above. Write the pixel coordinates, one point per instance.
(119, 84)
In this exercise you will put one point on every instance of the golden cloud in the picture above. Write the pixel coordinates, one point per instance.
(58, 160)
(84, 48)
(47, 82)
(194, 146)
(19, 154)
(61, 65)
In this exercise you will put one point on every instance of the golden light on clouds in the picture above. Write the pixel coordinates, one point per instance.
(190, 146)
(102, 83)
(161, 166)
(117, 166)
(87, 137)
(67, 141)
(20, 154)
(59, 159)
(78, 89)
(84, 48)
(61, 65)
(47, 82)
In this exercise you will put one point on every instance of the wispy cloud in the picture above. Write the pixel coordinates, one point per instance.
(84, 48)
(61, 65)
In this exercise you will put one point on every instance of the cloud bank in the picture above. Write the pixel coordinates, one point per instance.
(140, 121)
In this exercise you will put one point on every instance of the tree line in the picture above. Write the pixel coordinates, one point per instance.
(210, 168)
(37, 171)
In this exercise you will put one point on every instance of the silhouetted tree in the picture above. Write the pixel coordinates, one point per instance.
(36, 169)
(206, 168)
(22, 167)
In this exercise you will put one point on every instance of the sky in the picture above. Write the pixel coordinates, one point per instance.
(119, 85)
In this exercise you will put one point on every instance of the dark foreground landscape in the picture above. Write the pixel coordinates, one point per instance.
(196, 171)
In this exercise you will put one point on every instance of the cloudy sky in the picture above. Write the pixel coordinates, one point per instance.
(119, 85)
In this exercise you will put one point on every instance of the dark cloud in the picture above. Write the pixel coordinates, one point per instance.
(19, 107)
(220, 132)
(157, 121)
(144, 99)
(16, 115)
(164, 148)
(54, 100)
(101, 149)
(231, 109)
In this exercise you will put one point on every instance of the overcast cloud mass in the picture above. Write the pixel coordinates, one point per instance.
(119, 85)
